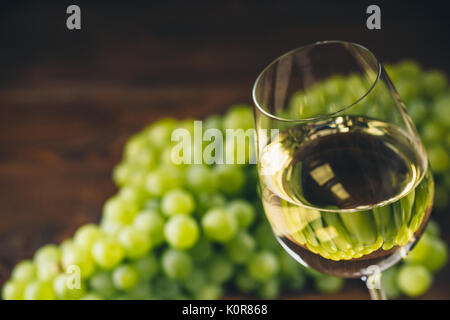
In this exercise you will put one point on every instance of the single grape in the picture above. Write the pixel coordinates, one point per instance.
(241, 247)
(136, 242)
(245, 283)
(200, 178)
(24, 271)
(136, 144)
(219, 225)
(441, 110)
(328, 284)
(13, 290)
(220, 270)
(92, 296)
(122, 173)
(433, 228)
(434, 82)
(107, 253)
(86, 236)
(270, 289)
(409, 69)
(177, 265)
(209, 292)
(163, 179)
(230, 178)
(47, 270)
(196, 281)
(47, 253)
(146, 159)
(213, 122)
(67, 288)
(389, 283)
(39, 290)
(202, 251)
(181, 232)
(177, 201)
(439, 159)
(80, 258)
(101, 283)
(414, 280)
(430, 252)
(134, 194)
(263, 266)
(151, 223)
(119, 211)
(239, 117)
(147, 267)
(243, 211)
(160, 132)
(125, 277)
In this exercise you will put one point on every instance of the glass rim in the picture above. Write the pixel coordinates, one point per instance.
(322, 116)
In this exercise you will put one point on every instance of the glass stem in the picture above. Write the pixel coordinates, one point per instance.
(373, 283)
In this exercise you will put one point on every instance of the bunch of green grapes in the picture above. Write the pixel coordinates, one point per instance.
(178, 231)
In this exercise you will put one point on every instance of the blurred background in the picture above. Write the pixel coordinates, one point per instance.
(69, 100)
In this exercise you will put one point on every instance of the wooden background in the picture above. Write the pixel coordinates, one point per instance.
(70, 99)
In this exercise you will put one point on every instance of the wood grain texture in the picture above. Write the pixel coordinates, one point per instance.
(70, 99)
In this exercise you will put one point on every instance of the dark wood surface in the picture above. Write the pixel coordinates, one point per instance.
(70, 99)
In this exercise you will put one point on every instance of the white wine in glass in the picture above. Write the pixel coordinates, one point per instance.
(345, 180)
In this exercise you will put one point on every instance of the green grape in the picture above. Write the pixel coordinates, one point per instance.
(213, 122)
(153, 224)
(177, 265)
(263, 266)
(433, 229)
(136, 144)
(86, 236)
(107, 253)
(136, 242)
(241, 247)
(230, 178)
(219, 225)
(122, 173)
(441, 110)
(13, 290)
(47, 253)
(66, 289)
(24, 271)
(181, 232)
(196, 281)
(119, 211)
(239, 117)
(417, 109)
(434, 82)
(160, 132)
(243, 211)
(80, 258)
(142, 291)
(145, 159)
(296, 281)
(39, 290)
(432, 133)
(125, 277)
(200, 178)
(407, 90)
(147, 267)
(101, 283)
(165, 288)
(439, 159)
(47, 270)
(265, 238)
(389, 283)
(208, 201)
(202, 250)
(270, 289)
(291, 269)
(220, 270)
(328, 284)
(152, 204)
(409, 69)
(92, 296)
(177, 201)
(245, 283)
(111, 229)
(209, 292)
(414, 280)
(430, 252)
(134, 194)
(163, 179)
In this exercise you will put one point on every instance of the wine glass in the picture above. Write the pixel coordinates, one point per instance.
(344, 177)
